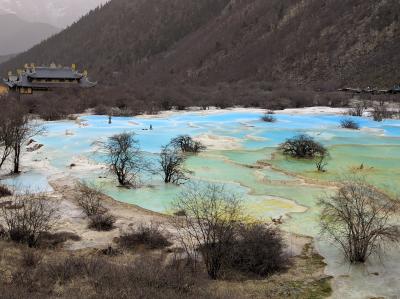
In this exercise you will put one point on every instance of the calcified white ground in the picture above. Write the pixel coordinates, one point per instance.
(237, 140)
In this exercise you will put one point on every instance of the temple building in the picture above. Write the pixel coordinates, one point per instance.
(43, 78)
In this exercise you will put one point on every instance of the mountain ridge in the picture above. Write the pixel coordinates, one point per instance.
(307, 42)
(21, 35)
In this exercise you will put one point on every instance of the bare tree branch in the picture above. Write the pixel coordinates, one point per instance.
(359, 219)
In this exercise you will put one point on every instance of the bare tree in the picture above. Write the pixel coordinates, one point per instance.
(23, 128)
(27, 217)
(302, 147)
(89, 199)
(6, 140)
(259, 248)
(358, 218)
(124, 158)
(358, 108)
(187, 144)
(208, 224)
(269, 117)
(348, 123)
(380, 112)
(171, 164)
(320, 160)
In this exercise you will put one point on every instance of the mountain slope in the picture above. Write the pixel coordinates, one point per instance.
(122, 34)
(354, 42)
(18, 35)
(203, 42)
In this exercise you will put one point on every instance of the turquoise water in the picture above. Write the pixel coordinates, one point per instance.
(376, 146)
(31, 181)
(269, 184)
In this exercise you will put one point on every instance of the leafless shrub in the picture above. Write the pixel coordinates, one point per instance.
(54, 240)
(89, 199)
(358, 108)
(302, 146)
(111, 251)
(208, 225)
(358, 219)
(321, 161)
(30, 258)
(65, 270)
(381, 112)
(6, 135)
(3, 232)
(28, 217)
(267, 117)
(187, 145)
(23, 128)
(150, 236)
(348, 123)
(102, 222)
(5, 191)
(149, 277)
(171, 164)
(258, 249)
(124, 158)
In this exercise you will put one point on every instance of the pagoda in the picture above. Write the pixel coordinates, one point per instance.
(46, 78)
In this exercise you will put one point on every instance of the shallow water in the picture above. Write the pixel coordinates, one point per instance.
(267, 192)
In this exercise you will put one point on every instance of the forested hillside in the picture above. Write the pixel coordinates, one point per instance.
(353, 42)
(223, 40)
(229, 51)
(122, 34)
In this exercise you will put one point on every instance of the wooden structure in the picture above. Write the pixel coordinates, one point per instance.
(45, 78)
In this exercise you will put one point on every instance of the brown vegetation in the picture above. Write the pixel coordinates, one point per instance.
(223, 41)
(359, 219)
(90, 274)
(89, 199)
(124, 158)
(302, 147)
(150, 236)
(268, 117)
(16, 128)
(213, 230)
(5, 191)
(259, 249)
(145, 265)
(27, 217)
(220, 53)
(171, 164)
(186, 144)
(348, 123)
(102, 222)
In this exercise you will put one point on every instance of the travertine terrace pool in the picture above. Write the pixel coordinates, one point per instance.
(242, 155)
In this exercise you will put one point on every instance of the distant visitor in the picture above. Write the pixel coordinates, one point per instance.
(46, 78)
